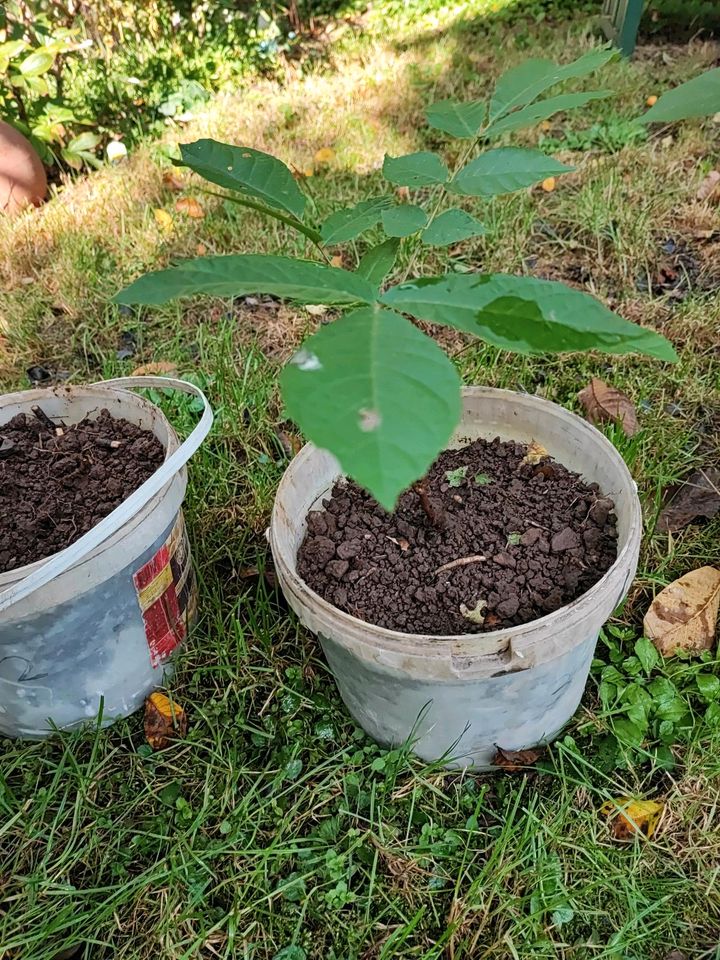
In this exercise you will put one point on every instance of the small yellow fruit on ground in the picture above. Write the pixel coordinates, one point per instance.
(651, 101)
(548, 184)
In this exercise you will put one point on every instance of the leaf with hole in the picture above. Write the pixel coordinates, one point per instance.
(351, 222)
(461, 120)
(377, 262)
(504, 170)
(521, 85)
(452, 226)
(524, 314)
(237, 275)
(403, 220)
(423, 169)
(377, 392)
(247, 170)
(699, 97)
(537, 112)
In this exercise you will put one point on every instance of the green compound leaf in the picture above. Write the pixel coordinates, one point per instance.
(458, 119)
(505, 170)
(537, 112)
(240, 274)
(699, 97)
(247, 170)
(524, 83)
(351, 222)
(525, 315)
(403, 220)
(377, 263)
(423, 169)
(377, 393)
(451, 227)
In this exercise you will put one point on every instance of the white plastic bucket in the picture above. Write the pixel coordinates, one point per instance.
(459, 698)
(94, 627)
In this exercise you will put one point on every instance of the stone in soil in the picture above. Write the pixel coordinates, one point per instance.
(54, 488)
(545, 535)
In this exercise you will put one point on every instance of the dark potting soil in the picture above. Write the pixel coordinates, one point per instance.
(54, 488)
(510, 541)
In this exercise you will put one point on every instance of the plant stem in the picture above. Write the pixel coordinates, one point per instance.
(434, 513)
(312, 235)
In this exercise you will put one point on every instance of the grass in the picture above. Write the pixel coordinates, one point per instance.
(276, 828)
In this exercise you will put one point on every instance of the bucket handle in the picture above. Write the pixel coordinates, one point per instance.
(60, 562)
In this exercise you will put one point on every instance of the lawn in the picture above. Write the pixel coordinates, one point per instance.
(276, 829)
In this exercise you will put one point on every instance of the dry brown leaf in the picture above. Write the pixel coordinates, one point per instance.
(629, 817)
(163, 368)
(605, 404)
(683, 616)
(173, 181)
(163, 220)
(516, 760)
(709, 185)
(536, 452)
(289, 442)
(190, 207)
(165, 720)
(699, 496)
(474, 614)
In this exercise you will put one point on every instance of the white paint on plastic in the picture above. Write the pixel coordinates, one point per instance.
(71, 630)
(459, 698)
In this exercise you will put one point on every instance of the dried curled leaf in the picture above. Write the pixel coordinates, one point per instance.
(173, 181)
(475, 615)
(698, 497)
(536, 452)
(683, 616)
(516, 760)
(629, 817)
(165, 720)
(605, 404)
(190, 207)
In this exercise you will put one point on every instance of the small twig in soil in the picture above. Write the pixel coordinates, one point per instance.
(44, 419)
(434, 512)
(460, 562)
(108, 444)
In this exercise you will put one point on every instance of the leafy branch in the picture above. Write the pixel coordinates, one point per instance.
(371, 387)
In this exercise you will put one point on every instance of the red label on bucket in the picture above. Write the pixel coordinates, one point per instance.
(166, 594)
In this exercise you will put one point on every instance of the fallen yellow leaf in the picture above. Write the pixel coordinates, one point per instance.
(159, 369)
(651, 101)
(324, 155)
(683, 616)
(165, 720)
(535, 453)
(163, 219)
(548, 184)
(629, 817)
(190, 207)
